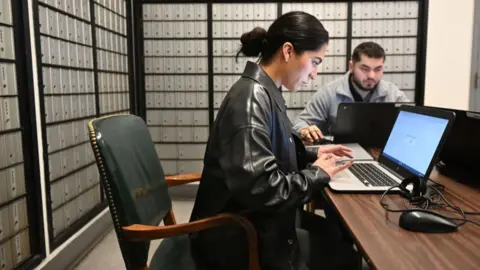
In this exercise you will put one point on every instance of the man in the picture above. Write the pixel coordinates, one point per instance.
(362, 83)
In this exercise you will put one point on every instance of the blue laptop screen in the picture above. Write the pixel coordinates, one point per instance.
(413, 141)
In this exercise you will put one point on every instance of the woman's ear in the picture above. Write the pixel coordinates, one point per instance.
(287, 51)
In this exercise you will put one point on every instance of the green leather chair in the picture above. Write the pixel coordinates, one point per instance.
(138, 198)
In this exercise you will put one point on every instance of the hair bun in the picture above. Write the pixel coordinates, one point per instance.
(253, 42)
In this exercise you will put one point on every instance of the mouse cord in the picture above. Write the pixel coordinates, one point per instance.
(458, 209)
(440, 186)
(430, 200)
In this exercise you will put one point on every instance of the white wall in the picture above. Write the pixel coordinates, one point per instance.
(449, 53)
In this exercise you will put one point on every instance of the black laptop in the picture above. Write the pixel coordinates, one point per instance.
(463, 143)
(368, 124)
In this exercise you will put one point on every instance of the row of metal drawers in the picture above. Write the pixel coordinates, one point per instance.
(66, 189)
(64, 216)
(178, 117)
(64, 162)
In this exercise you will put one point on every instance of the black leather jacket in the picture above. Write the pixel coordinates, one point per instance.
(256, 166)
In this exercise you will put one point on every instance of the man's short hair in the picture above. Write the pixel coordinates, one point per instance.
(369, 49)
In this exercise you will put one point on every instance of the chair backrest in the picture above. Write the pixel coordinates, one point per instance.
(132, 177)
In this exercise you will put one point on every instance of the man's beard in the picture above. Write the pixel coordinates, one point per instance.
(360, 86)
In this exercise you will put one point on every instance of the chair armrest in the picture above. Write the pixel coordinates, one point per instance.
(139, 232)
(180, 179)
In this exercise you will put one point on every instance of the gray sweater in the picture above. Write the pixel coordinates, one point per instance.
(321, 109)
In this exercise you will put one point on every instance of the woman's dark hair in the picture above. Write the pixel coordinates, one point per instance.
(304, 31)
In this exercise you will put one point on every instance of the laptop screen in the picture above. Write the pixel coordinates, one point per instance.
(413, 141)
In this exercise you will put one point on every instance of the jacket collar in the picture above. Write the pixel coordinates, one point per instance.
(256, 73)
(344, 88)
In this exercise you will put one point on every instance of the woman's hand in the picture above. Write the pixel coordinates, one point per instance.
(336, 149)
(328, 162)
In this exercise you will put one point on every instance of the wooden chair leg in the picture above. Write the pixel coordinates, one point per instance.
(310, 207)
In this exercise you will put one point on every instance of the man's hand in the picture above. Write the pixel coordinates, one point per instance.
(328, 162)
(336, 149)
(311, 134)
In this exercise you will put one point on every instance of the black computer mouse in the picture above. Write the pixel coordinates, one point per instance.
(419, 220)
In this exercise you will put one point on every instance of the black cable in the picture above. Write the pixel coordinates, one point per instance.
(436, 183)
(433, 198)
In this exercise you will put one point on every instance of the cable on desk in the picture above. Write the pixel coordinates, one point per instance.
(428, 202)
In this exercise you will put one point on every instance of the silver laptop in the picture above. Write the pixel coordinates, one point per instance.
(412, 146)
(358, 152)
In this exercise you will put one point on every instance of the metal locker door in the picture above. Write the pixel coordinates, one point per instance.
(166, 100)
(52, 22)
(189, 29)
(200, 11)
(200, 134)
(202, 100)
(7, 79)
(156, 134)
(91, 105)
(10, 118)
(5, 222)
(167, 151)
(77, 131)
(201, 82)
(185, 134)
(201, 29)
(201, 48)
(169, 134)
(6, 254)
(180, 64)
(328, 64)
(180, 100)
(202, 65)
(7, 47)
(18, 214)
(217, 65)
(3, 190)
(227, 65)
(217, 29)
(190, 100)
(217, 83)
(183, 117)
(57, 194)
(6, 14)
(73, 185)
(200, 118)
(152, 117)
(68, 211)
(190, 83)
(58, 220)
(166, 117)
(15, 179)
(73, 74)
(408, 81)
(13, 148)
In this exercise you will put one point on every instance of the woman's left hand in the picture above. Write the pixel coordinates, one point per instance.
(336, 149)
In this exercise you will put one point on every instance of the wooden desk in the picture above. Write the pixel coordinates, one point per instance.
(387, 246)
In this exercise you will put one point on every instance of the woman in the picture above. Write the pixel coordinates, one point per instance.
(256, 166)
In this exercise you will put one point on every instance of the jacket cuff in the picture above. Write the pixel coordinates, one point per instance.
(311, 153)
(317, 176)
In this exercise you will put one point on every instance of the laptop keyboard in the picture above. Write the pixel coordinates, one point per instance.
(371, 176)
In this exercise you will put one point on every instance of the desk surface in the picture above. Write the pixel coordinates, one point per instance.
(387, 246)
